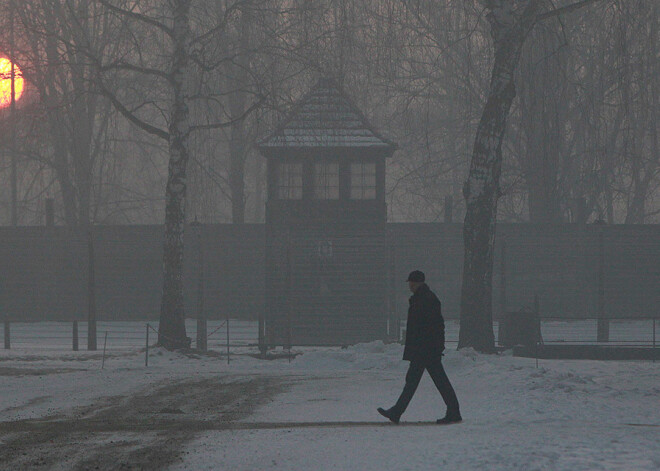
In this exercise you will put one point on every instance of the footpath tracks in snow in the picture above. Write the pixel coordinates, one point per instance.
(103, 425)
(185, 424)
(145, 430)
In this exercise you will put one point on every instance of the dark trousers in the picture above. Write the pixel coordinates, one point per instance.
(439, 377)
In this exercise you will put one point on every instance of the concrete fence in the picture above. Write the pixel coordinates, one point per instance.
(577, 271)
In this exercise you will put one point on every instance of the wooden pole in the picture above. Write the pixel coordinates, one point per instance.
(395, 328)
(288, 288)
(537, 327)
(502, 308)
(262, 333)
(91, 292)
(7, 336)
(146, 351)
(449, 209)
(75, 336)
(105, 341)
(201, 314)
(503, 280)
(228, 340)
(603, 329)
(50, 212)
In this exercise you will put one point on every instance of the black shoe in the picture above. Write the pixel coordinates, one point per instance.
(450, 419)
(394, 418)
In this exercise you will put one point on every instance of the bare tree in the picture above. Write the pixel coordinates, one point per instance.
(511, 22)
(171, 23)
(69, 112)
(177, 70)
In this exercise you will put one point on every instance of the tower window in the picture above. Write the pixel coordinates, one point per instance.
(363, 181)
(326, 180)
(289, 181)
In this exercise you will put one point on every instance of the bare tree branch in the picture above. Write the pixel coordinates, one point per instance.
(565, 9)
(122, 65)
(138, 17)
(131, 116)
(226, 124)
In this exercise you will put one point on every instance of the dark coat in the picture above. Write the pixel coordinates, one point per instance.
(425, 330)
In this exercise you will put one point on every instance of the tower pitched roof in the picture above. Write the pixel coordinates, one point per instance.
(326, 117)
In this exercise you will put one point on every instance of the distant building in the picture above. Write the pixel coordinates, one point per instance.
(326, 238)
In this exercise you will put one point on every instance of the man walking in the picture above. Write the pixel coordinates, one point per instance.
(425, 342)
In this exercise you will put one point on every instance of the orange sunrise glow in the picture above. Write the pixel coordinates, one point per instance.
(5, 82)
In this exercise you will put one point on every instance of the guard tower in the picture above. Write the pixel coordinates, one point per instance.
(326, 247)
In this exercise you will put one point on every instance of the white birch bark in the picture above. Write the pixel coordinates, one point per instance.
(172, 329)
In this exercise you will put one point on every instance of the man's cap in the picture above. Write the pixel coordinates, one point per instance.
(416, 276)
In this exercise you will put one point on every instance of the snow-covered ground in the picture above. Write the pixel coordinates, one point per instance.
(61, 411)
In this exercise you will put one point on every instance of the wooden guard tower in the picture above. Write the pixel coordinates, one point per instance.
(326, 253)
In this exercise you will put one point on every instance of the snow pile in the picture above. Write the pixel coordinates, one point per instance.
(367, 356)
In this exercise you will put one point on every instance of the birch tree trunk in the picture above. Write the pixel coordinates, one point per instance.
(176, 26)
(510, 22)
(172, 328)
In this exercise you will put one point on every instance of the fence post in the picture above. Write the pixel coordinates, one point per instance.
(91, 292)
(50, 212)
(536, 354)
(7, 336)
(105, 341)
(603, 328)
(537, 327)
(53, 254)
(201, 340)
(449, 209)
(288, 287)
(502, 307)
(266, 309)
(261, 335)
(503, 279)
(75, 336)
(394, 327)
(228, 340)
(202, 343)
(146, 351)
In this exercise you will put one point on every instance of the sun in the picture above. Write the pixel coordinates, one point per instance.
(5, 82)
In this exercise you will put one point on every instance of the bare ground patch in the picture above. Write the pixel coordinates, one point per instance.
(18, 372)
(78, 357)
(144, 431)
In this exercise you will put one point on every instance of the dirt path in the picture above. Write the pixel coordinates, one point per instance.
(144, 431)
